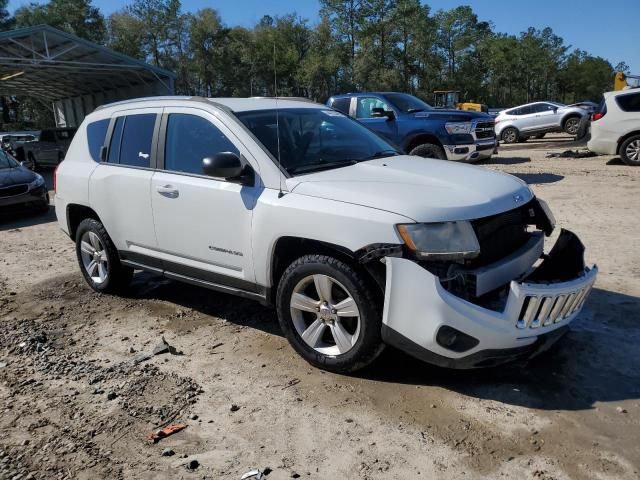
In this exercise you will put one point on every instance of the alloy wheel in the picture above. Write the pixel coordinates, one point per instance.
(510, 135)
(633, 150)
(94, 257)
(572, 126)
(325, 315)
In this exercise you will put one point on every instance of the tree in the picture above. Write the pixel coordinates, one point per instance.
(78, 17)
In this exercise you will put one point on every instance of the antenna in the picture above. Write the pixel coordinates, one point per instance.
(275, 88)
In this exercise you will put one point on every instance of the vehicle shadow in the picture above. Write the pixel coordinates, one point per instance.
(597, 361)
(506, 160)
(26, 218)
(616, 161)
(539, 178)
(239, 311)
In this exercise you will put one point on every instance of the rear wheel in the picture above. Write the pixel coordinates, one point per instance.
(630, 151)
(429, 150)
(99, 260)
(510, 135)
(571, 125)
(329, 314)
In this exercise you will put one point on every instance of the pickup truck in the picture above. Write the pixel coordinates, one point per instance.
(418, 128)
(48, 150)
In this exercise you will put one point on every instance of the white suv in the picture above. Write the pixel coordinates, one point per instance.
(615, 126)
(291, 203)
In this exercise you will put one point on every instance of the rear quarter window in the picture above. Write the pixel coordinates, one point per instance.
(96, 134)
(629, 103)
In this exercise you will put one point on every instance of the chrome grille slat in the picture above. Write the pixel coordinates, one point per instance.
(532, 309)
(567, 306)
(555, 313)
(545, 310)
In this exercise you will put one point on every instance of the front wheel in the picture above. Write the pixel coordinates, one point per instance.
(510, 135)
(429, 150)
(99, 260)
(330, 314)
(630, 151)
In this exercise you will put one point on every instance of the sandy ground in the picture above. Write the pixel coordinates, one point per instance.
(74, 404)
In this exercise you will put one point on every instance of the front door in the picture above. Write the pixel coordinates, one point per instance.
(383, 126)
(202, 224)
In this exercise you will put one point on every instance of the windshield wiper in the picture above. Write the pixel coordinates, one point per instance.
(381, 154)
(321, 165)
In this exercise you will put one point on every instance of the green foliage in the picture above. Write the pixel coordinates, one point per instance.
(356, 45)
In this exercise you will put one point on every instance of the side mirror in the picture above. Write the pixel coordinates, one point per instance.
(379, 112)
(226, 165)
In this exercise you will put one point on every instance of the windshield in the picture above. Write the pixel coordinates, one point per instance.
(407, 103)
(6, 161)
(313, 139)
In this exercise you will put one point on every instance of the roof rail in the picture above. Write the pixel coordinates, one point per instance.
(152, 99)
(297, 99)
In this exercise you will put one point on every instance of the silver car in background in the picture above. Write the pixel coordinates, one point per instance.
(536, 120)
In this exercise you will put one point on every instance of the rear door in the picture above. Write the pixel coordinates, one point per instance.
(203, 224)
(119, 188)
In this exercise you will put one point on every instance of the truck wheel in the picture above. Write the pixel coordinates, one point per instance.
(510, 135)
(33, 161)
(99, 260)
(630, 151)
(571, 125)
(329, 314)
(429, 150)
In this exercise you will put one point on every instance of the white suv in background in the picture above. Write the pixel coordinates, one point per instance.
(615, 126)
(536, 120)
(296, 205)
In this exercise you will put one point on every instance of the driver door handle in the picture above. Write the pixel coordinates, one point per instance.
(168, 191)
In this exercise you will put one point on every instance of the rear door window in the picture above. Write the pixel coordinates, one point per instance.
(629, 103)
(342, 105)
(132, 140)
(189, 140)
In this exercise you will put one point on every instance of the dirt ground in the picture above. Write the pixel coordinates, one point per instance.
(75, 404)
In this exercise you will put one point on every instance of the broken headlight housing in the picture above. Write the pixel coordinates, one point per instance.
(440, 241)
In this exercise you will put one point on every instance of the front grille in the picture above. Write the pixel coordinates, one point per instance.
(485, 130)
(13, 190)
(542, 311)
(501, 235)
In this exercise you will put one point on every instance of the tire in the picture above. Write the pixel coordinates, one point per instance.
(32, 159)
(630, 151)
(108, 275)
(429, 150)
(539, 136)
(510, 135)
(316, 319)
(571, 125)
(583, 129)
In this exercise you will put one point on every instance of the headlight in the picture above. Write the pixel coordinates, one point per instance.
(547, 212)
(458, 127)
(440, 241)
(38, 182)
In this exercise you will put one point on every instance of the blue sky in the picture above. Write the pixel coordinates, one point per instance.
(608, 29)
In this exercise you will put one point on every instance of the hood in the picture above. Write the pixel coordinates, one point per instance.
(16, 176)
(421, 189)
(453, 115)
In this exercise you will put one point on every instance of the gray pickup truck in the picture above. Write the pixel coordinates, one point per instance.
(48, 150)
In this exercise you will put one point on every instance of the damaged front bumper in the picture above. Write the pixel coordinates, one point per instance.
(429, 322)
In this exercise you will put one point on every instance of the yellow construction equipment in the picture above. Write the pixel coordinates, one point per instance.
(451, 99)
(621, 81)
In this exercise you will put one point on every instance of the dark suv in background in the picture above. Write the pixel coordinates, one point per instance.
(418, 128)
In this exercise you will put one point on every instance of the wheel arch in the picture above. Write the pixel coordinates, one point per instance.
(623, 139)
(76, 213)
(419, 139)
(568, 116)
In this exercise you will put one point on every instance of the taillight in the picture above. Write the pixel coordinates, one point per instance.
(55, 176)
(597, 116)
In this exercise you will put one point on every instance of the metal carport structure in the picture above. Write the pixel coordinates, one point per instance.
(74, 74)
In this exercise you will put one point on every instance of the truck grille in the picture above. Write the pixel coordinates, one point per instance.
(542, 311)
(13, 190)
(502, 234)
(485, 130)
